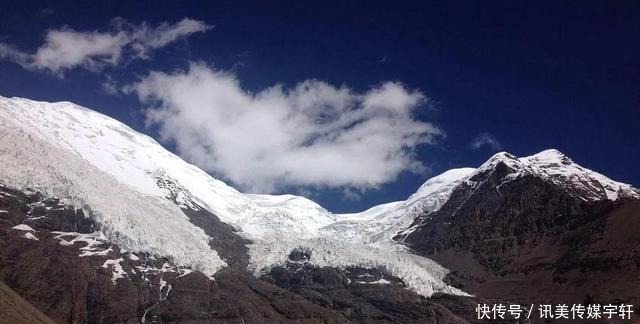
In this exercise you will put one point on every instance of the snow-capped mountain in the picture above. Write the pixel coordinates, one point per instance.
(136, 190)
(536, 229)
(550, 166)
(120, 177)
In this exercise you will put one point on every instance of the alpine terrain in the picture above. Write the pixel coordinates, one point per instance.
(101, 224)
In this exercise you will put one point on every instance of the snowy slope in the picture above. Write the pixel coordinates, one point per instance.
(365, 239)
(380, 223)
(135, 160)
(124, 178)
(132, 219)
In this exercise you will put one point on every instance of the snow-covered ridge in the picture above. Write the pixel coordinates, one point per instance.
(553, 166)
(379, 224)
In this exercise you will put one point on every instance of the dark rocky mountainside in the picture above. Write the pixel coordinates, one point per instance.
(41, 263)
(528, 240)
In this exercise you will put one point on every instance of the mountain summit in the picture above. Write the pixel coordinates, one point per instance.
(555, 167)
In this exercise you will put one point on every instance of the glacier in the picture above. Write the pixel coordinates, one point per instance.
(130, 218)
(101, 165)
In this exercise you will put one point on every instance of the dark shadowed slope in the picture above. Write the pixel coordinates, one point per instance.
(14, 309)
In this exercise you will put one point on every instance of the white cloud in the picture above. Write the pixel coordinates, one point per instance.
(486, 139)
(314, 134)
(66, 48)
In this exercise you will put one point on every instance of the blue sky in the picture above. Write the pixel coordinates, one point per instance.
(513, 76)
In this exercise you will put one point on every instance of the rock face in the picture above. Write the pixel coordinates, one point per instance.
(526, 239)
(52, 258)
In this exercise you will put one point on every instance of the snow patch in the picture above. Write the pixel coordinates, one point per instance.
(23, 227)
(95, 242)
(117, 270)
(30, 236)
(184, 272)
(382, 281)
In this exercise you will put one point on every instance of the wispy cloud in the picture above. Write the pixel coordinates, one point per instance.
(65, 48)
(486, 140)
(314, 134)
(110, 86)
(351, 194)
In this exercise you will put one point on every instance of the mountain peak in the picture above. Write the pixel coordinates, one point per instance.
(549, 156)
(501, 157)
(554, 166)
